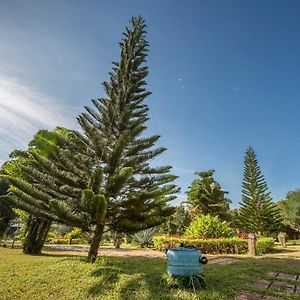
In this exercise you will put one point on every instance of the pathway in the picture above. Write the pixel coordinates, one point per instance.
(278, 281)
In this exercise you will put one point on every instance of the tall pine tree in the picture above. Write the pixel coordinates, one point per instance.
(207, 197)
(114, 130)
(258, 214)
(105, 178)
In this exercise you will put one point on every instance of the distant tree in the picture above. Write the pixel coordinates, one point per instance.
(177, 223)
(290, 209)
(206, 196)
(233, 218)
(258, 214)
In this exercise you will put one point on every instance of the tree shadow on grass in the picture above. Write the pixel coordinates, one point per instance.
(132, 281)
(109, 276)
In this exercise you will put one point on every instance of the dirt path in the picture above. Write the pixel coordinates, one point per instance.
(76, 250)
(106, 251)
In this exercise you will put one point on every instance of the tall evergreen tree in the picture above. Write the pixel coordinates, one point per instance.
(114, 130)
(207, 197)
(105, 178)
(258, 214)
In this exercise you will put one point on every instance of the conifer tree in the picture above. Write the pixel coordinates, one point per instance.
(36, 228)
(114, 130)
(32, 187)
(258, 214)
(104, 178)
(207, 197)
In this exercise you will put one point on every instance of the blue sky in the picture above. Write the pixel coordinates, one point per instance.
(224, 75)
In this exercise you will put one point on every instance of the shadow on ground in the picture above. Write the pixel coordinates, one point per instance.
(129, 282)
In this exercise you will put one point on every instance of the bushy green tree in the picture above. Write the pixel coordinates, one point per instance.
(177, 223)
(258, 214)
(36, 182)
(290, 209)
(208, 226)
(206, 196)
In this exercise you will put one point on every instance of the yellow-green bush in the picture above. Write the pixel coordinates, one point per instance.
(208, 226)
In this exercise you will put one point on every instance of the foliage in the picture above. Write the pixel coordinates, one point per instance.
(208, 227)
(77, 235)
(207, 197)
(102, 177)
(214, 246)
(290, 209)
(114, 131)
(258, 214)
(191, 282)
(144, 238)
(50, 184)
(264, 245)
(178, 222)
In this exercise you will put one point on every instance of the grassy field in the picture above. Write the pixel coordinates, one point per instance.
(54, 276)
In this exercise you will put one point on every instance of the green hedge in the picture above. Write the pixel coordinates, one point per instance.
(293, 242)
(215, 246)
(64, 241)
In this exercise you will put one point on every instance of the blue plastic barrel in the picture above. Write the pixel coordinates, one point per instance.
(185, 262)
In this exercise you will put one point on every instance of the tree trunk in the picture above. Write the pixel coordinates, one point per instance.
(37, 230)
(4, 224)
(93, 251)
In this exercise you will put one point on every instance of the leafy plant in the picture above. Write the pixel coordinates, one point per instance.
(208, 227)
(194, 282)
(144, 238)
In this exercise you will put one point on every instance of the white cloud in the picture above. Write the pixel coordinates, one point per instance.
(24, 110)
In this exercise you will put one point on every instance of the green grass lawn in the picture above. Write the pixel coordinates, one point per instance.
(54, 276)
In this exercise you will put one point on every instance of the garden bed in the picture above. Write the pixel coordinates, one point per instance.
(215, 246)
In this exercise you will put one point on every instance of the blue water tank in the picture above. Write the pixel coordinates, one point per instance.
(185, 262)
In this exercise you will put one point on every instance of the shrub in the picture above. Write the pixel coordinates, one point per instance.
(264, 245)
(214, 246)
(294, 242)
(145, 237)
(208, 226)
